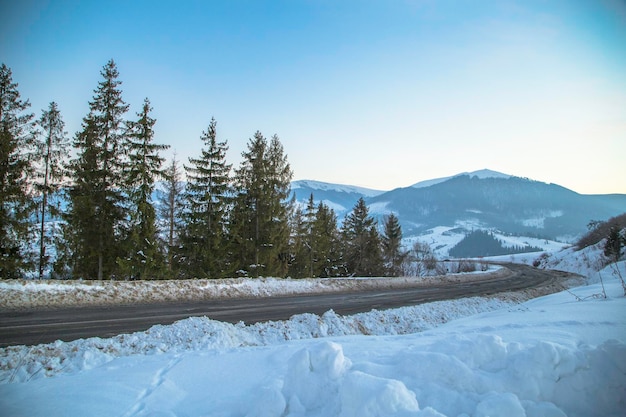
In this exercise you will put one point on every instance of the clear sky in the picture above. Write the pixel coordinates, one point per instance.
(380, 94)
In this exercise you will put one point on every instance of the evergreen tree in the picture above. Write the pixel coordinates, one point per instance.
(204, 238)
(280, 176)
(309, 221)
(79, 255)
(52, 156)
(361, 242)
(15, 134)
(171, 209)
(299, 245)
(393, 256)
(301, 250)
(326, 244)
(96, 201)
(614, 243)
(144, 258)
(260, 217)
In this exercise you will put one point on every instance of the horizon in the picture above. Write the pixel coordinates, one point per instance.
(361, 93)
(442, 179)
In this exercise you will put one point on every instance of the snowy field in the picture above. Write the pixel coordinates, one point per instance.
(559, 355)
(444, 238)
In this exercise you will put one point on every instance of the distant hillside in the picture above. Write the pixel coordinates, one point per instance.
(483, 199)
(480, 243)
(512, 205)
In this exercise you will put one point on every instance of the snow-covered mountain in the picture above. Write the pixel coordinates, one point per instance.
(451, 207)
(340, 198)
(482, 174)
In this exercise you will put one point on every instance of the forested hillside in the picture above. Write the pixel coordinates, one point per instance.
(480, 243)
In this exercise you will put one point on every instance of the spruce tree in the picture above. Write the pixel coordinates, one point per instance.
(309, 221)
(393, 255)
(326, 244)
(52, 160)
(143, 257)
(260, 217)
(281, 207)
(297, 244)
(15, 167)
(171, 199)
(204, 239)
(361, 242)
(97, 214)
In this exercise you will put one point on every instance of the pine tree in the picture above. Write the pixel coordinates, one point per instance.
(15, 167)
(171, 210)
(260, 217)
(361, 242)
(204, 239)
(144, 258)
(391, 240)
(52, 157)
(96, 201)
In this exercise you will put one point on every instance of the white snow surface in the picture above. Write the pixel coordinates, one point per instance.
(559, 355)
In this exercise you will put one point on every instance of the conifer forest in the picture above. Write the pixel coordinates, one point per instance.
(104, 204)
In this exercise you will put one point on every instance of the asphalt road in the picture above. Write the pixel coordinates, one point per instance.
(44, 326)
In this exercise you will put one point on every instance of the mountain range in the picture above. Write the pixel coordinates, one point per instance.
(485, 200)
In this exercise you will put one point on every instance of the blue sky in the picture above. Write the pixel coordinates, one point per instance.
(380, 94)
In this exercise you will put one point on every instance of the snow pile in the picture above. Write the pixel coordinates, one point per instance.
(552, 356)
(481, 375)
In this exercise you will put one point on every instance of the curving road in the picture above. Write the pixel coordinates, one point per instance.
(45, 326)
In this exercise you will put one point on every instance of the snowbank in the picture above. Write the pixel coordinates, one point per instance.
(25, 363)
(16, 294)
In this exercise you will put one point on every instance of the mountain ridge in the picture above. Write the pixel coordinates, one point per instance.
(483, 199)
(482, 174)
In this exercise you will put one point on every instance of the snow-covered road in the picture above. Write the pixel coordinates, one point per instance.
(34, 326)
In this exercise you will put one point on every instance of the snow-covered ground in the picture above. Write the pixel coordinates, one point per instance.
(443, 238)
(561, 354)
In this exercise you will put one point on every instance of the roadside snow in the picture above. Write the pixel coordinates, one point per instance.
(551, 356)
(16, 294)
(24, 363)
